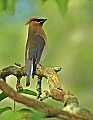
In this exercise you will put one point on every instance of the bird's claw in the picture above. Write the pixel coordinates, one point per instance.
(19, 87)
(39, 92)
(47, 94)
(38, 95)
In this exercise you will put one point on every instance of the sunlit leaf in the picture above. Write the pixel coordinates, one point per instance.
(30, 92)
(63, 5)
(3, 96)
(5, 109)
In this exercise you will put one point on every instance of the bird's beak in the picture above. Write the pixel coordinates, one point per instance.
(43, 20)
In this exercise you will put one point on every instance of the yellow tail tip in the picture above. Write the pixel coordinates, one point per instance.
(28, 87)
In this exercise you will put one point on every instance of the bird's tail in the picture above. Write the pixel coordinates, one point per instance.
(28, 81)
(29, 69)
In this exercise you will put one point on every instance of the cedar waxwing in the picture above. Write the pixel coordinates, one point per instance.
(35, 46)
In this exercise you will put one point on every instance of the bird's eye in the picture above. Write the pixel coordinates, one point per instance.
(39, 20)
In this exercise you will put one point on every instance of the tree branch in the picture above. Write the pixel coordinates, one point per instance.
(49, 110)
(71, 111)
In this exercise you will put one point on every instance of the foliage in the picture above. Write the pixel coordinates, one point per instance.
(4, 109)
(29, 92)
(7, 6)
(25, 91)
(23, 113)
(2, 96)
(37, 115)
(13, 115)
(63, 5)
(70, 42)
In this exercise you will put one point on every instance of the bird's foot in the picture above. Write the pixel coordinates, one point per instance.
(47, 95)
(38, 87)
(38, 94)
(19, 87)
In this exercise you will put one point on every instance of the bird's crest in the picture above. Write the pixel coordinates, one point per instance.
(30, 20)
(36, 19)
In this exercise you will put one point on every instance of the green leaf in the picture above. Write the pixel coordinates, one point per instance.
(12, 115)
(5, 109)
(3, 96)
(30, 92)
(25, 91)
(11, 4)
(63, 5)
(3, 6)
(25, 114)
(44, 0)
(24, 110)
(37, 115)
(7, 6)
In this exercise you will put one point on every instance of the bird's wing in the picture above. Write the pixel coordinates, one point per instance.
(37, 48)
(29, 70)
(41, 45)
(33, 55)
(44, 52)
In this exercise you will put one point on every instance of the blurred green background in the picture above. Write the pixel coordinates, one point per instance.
(69, 30)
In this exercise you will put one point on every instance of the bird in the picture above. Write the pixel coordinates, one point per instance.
(36, 46)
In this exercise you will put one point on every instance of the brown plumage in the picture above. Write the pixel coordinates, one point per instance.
(35, 46)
